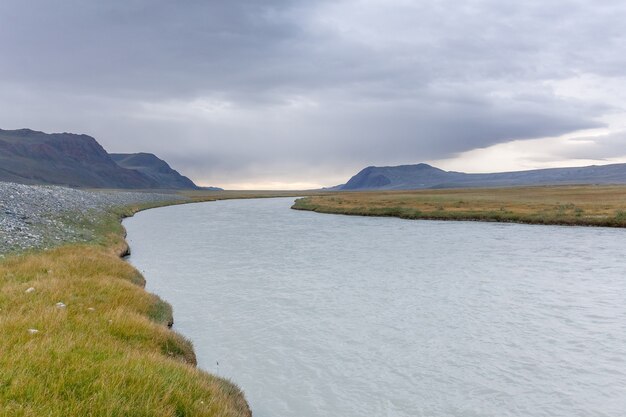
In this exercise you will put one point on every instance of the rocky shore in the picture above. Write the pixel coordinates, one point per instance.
(39, 217)
(77, 317)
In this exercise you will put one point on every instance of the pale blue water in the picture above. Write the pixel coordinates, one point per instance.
(320, 315)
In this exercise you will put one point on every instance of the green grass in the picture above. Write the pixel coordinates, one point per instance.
(109, 351)
(558, 205)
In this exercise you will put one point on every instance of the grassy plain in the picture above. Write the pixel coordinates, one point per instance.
(231, 195)
(560, 205)
(106, 350)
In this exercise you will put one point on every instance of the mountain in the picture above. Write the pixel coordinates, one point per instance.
(421, 176)
(153, 168)
(31, 157)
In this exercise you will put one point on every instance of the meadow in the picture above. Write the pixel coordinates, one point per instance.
(557, 205)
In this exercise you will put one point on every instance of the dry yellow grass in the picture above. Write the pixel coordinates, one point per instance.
(107, 352)
(198, 196)
(567, 205)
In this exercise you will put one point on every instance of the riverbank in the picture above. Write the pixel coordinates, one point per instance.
(80, 334)
(42, 217)
(549, 205)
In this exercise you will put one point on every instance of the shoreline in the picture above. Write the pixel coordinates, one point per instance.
(125, 250)
(456, 219)
(588, 206)
(162, 350)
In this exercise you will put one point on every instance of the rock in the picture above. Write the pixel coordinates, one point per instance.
(34, 217)
(60, 305)
(31, 289)
(33, 331)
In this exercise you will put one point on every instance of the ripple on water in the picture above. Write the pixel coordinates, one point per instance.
(318, 315)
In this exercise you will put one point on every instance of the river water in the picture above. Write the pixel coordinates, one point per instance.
(316, 315)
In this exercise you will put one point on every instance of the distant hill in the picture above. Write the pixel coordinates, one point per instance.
(421, 176)
(154, 168)
(211, 189)
(31, 157)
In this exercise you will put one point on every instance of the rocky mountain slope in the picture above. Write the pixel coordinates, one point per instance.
(154, 168)
(31, 157)
(421, 176)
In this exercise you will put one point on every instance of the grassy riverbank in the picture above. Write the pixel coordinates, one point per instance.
(81, 337)
(560, 205)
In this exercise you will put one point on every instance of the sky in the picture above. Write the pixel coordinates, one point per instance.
(278, 94)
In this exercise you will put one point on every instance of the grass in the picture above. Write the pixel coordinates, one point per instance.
(231, 195)
(107, 351)
(559, 205)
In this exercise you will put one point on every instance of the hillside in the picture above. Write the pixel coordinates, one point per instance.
(424, 176)
(32, 157)
(154, 168)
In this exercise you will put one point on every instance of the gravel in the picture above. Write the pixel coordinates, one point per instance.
(39, 217)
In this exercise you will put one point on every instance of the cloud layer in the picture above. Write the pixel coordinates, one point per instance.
(299, 92)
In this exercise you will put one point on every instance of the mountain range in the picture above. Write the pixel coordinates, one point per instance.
(32, 157)
(423, 176)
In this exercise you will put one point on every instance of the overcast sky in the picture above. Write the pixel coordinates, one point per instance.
(298, 94)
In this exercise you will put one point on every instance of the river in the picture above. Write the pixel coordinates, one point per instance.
(317, 315)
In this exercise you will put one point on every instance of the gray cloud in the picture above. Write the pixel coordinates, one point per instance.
(303, 91)
(602, 147)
